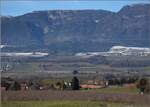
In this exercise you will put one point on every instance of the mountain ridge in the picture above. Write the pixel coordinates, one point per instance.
(71, 31)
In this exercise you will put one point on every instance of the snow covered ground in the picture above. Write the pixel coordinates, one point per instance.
(28, 54)
(118, 51)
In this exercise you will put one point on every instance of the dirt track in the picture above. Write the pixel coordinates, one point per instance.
(75, 95)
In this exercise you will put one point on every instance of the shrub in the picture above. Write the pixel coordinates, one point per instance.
(144, 85)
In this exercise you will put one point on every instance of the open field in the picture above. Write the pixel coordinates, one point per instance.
(49, 95)
(26, 67)
(67, 64)
(65, 104)
(129, 90)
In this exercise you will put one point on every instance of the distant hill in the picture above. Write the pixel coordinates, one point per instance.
(71, 31)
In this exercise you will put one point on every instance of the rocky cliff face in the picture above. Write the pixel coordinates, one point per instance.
(78, 30)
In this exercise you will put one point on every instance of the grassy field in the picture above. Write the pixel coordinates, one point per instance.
(63, 104)
(130, 90)
(26, 67)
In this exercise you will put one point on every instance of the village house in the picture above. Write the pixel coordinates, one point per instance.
(94, 84)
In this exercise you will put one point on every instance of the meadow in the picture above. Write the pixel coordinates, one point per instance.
(65, 104)
(117, 89)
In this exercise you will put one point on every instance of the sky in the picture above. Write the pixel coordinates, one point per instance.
(20, 7)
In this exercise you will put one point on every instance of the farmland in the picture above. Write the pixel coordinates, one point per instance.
(129, 90)
(67, 64)
(47, 72)
(50, 95)
(64, 104)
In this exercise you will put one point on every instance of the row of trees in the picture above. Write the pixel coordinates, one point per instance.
(143, 84)
(123, 80)
(35, 85)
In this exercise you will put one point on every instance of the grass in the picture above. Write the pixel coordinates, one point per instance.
(62, 104)
(130, 90)
(26, 67)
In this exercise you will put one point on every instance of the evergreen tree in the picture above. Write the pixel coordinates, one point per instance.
(75, 84)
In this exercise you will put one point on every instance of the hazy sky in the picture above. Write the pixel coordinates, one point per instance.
(14, 8)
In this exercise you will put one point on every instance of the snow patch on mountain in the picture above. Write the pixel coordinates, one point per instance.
(118, 51)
